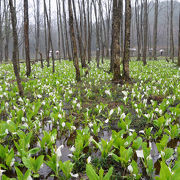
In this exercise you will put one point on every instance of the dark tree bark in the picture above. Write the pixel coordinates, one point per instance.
(79, 38)
(155, 30)
(66, 32)
(15, 48)
(49, 35)
(73, 39)
(116, 19)
(38, 29)
(26, 38)
(167, 43)
(97, 35)
(171, 34)
(58, 27)
(145, 25)
(62, 32)
(85, 32)
(89, 9)
(122, 32)
(126, 56)
(103, 32)
(108, 24)
(41, 59)
(1, 39)
(179, 43)
(138, 30)
(7, 31)
(45, 37)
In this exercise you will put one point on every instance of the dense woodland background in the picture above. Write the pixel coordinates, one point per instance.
(59, 25)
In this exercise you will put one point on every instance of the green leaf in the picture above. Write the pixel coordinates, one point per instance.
(168, 153)
(101, 172)
(27, 163)
(109, 174)
(19, 173)
(137, 143)
(38, 163)
(164, 172)
(34, 150)
(91, 173)
(27, 174)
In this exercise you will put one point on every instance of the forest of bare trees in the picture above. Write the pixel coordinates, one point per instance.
(93, 28)
(88, 29)
(89, 89)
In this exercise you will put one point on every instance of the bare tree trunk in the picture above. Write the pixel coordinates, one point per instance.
(62, 34)
(15, 47)
(58, 27)
(7, 29)
(103, 32)
(73, 39)
(167, 45)
(126, 56)
(155, 30)
(108, 24)
(138, 31)
(89, 8)
(179, 43)
(1, 38)
(145, 32)
(97, 35)
(85, 33)
(116, 19)
(122, 32)
(49, 36)
(171, 34)
(66, 33)
(79, 38)
(41, 59)
(45, 37)
(38, 30)
(26, 38)
(141, 27)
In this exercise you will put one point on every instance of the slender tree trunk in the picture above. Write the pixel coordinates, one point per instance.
(171, 34)
(121, 31)
(45, 37)
(73, 39)
(1, 39)
(66, 32)
(145, 25)
(85, 33)
(62, 34)
(179, 43)
(41, 59)
(89, 8)
(58, 26)
(26, 38)
(116, 39)
(141, 28)
(155, 30)
(138, 31)
(38, 29)
(126, 56)
(97, 35)
(7, 29)
(167, 43)
(108, 24)
(103, 32)
(79, 38)
(49, 36)
(15, 47)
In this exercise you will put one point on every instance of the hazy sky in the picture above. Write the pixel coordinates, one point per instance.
(53, 4)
